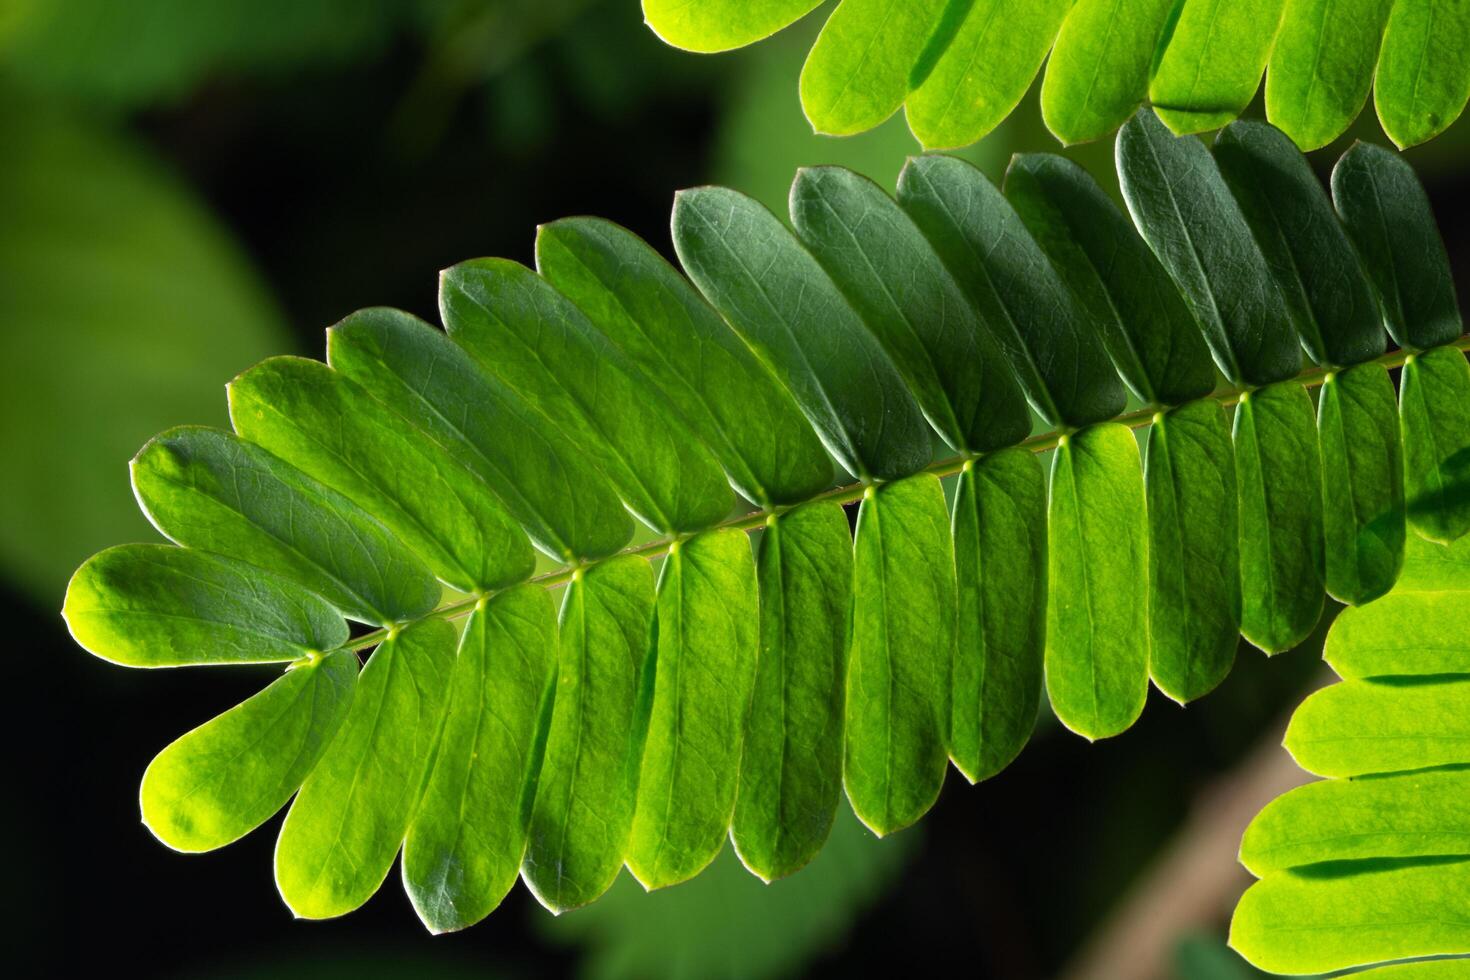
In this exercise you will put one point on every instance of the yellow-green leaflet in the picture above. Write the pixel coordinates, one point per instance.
(344, 830)
(718, 25)
(1322, 67)
(1211, 65)
(590, 765)
(1434, 412)
(1423, 71)
(791, 767)
(464, 848)
(1098, 72)
(220, 781)
(900, 654)
(1096, 618)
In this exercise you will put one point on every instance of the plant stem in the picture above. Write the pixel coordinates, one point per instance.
(852, 492)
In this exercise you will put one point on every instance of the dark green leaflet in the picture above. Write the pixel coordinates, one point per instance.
(707, 641)
(1434, 412)
(900, 654)
(774, 294)
(464, 848)
(1322, 67)
(220, 781)
(1149, 332)
(1040, 325)
(153, 605)
(1185, 211)
(984, 70)
(1363, 483)
(1415, 814)
(1096, 620)
(728, 398)
(1415, 104)
(904, 294)
(566, 506)
(1212, 64)
(522, 331)
(1279, 477)
(1193, 551)
(1365, 726)
(1313, 261)
(334, 431)
(342, 833)
(791, 767)
(1386, 212)
(209, 490)
(999, 531)
(590, 761)
(1098, 72)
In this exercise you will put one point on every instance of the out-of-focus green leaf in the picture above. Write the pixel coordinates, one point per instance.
(1322, 67)
(1212, 64)
(867, 59)
(902, 291)
(703, 662)
(1434, 412)
(590, 764)
(899, 654)
(999, 530)
(213, 491)
(1413, 104)
(345, 828)
(1362, 483)
(1359, 727)
(1097, 620)
(464, 848)
(220, 781)
(729, 399)
(1193, 550)
(123, 304)
(1098, 72)
(153, 605)
(791, 767)
(773, 292)
(986, 67)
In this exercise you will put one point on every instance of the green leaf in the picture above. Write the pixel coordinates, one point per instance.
(1387, 214)
(866, 60)
(719, 25)
(791, 767)
(464, 848)
(999, 530)
(207, 489)
(1149, 332)
(566, 506)
(1322, 67)
(1363, 483)
(1423, 70)
(1306, 922)
(984, 69)
(683, 348)
(342, 833)
(334, 431)
(1038, 322)
(1186, 213)
(897, 284)
(1096, 617)
(1359, 727)
(1212, 61)
(1194, 594)
(1415, 814)
(706, 644)
(153, 605)
(900, 654)
(1098, 72)
(539, 345)
(1310, 256)
(787, 308)
(591, 760)
(1430, 566)
(220, 781)
(1279, 476)
(1434, 411)
(1420, 970)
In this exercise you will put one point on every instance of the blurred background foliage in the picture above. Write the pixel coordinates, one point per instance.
(187, 187)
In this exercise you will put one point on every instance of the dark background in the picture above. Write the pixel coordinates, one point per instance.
(342, 169)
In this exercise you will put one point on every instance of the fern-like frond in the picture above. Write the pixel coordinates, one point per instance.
(959, 67)
(408, 483)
